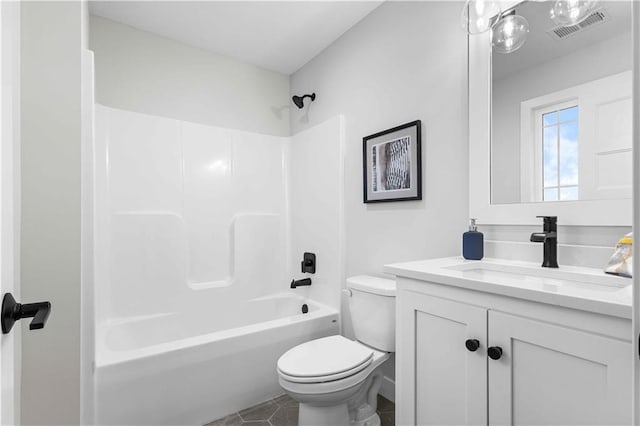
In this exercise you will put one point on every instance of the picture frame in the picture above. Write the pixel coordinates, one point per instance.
(392, 164)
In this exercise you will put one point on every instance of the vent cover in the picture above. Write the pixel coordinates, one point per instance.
(562, 32)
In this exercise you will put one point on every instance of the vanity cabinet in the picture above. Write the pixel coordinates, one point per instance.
(552, 365)
(438, 381)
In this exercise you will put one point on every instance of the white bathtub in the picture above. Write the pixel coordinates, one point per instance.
(194, 367)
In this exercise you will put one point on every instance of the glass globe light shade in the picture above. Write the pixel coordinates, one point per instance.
(509, 34)
(479, 16)
(571, 12)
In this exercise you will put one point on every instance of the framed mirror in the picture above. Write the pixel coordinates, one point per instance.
(551, 118)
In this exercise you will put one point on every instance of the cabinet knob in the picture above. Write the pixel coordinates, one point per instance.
(472, 344)
(495, 352)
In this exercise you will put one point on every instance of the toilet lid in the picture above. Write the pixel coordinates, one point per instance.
(334, 356)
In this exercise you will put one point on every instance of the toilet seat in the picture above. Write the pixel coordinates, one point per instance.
(328, 378)
(329, 387)
(323, 360)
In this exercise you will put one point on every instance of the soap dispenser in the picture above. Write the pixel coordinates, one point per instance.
(473, 242)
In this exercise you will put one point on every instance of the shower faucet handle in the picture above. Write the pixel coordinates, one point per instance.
(308, 263)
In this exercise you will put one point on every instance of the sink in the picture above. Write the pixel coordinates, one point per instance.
(568, 276)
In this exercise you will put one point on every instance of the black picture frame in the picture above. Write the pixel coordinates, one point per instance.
(405, 144)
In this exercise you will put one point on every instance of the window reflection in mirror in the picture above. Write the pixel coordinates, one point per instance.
(561, 109)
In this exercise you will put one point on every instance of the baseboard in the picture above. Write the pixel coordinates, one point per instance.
(388, 389)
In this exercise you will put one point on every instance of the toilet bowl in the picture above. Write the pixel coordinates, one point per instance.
(327, 375)
(336, 380)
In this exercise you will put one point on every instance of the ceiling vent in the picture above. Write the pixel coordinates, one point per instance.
(562, 32)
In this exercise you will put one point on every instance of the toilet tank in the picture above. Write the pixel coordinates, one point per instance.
(372, 305)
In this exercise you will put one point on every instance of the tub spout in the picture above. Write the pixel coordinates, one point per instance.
(302, 282)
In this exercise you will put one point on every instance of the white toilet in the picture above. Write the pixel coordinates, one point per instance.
(336, 380)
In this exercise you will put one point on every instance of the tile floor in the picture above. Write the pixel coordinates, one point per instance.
(283, 411)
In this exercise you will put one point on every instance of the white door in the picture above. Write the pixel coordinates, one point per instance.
(9, 137)
(552, 375)
(605, 134)
(440, 380)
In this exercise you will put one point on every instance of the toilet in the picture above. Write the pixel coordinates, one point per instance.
(336, 380)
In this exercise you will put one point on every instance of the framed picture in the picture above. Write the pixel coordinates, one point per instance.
(392, 164)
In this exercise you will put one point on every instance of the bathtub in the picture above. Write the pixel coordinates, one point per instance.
(190, 368)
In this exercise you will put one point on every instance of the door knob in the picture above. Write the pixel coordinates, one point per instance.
(472, 344)
(494, 352)
(13, 311)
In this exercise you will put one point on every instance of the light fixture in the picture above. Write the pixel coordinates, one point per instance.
(479, 16)
(571, 12)
(510, 33)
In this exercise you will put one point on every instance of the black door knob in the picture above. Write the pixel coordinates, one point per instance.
(494, 352)
(472, 344)
(13, 311)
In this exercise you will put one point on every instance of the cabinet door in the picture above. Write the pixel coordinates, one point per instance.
(553, 375)
(440, 381)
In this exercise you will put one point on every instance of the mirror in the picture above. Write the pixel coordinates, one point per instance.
(561, 108)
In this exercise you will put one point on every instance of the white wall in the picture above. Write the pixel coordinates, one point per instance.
(50, 239)
(143, 72)
(316, 200)
(404, 61)
(597, 61)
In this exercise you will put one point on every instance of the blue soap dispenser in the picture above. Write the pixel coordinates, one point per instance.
(473, 242)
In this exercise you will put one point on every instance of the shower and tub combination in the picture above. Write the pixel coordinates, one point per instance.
(199, 232)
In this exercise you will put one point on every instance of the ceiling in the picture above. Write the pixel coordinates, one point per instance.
(540, 47)
(277, 35)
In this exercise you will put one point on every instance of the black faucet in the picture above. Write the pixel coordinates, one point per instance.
(299, 283)
(549, 237)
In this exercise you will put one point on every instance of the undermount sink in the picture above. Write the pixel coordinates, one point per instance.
(571, 286)
(492, 270)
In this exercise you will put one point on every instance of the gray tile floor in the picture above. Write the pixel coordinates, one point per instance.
(283, 411)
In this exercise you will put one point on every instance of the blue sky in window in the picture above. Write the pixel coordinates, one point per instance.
(549, 118)
(550, 150)
(569, 153)
(569, 114)
(569, 193)
(567, 173)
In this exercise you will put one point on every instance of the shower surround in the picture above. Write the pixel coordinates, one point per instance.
(199, 231)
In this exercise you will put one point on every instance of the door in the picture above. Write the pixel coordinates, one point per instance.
(553, 375)
(605, 138)
(440, 380)
(9, 133)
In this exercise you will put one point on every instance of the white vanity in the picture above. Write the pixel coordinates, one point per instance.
(502, 342)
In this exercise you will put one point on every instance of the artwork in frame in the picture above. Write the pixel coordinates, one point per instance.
(392, 164)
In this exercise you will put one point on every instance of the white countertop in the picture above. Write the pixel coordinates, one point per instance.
(573, 287)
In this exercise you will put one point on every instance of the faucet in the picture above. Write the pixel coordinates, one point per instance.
(299, 283)
(549, 237)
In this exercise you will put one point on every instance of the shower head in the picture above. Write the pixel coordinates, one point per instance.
(299, 100)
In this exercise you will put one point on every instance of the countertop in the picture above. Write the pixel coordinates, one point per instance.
(586, 289)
